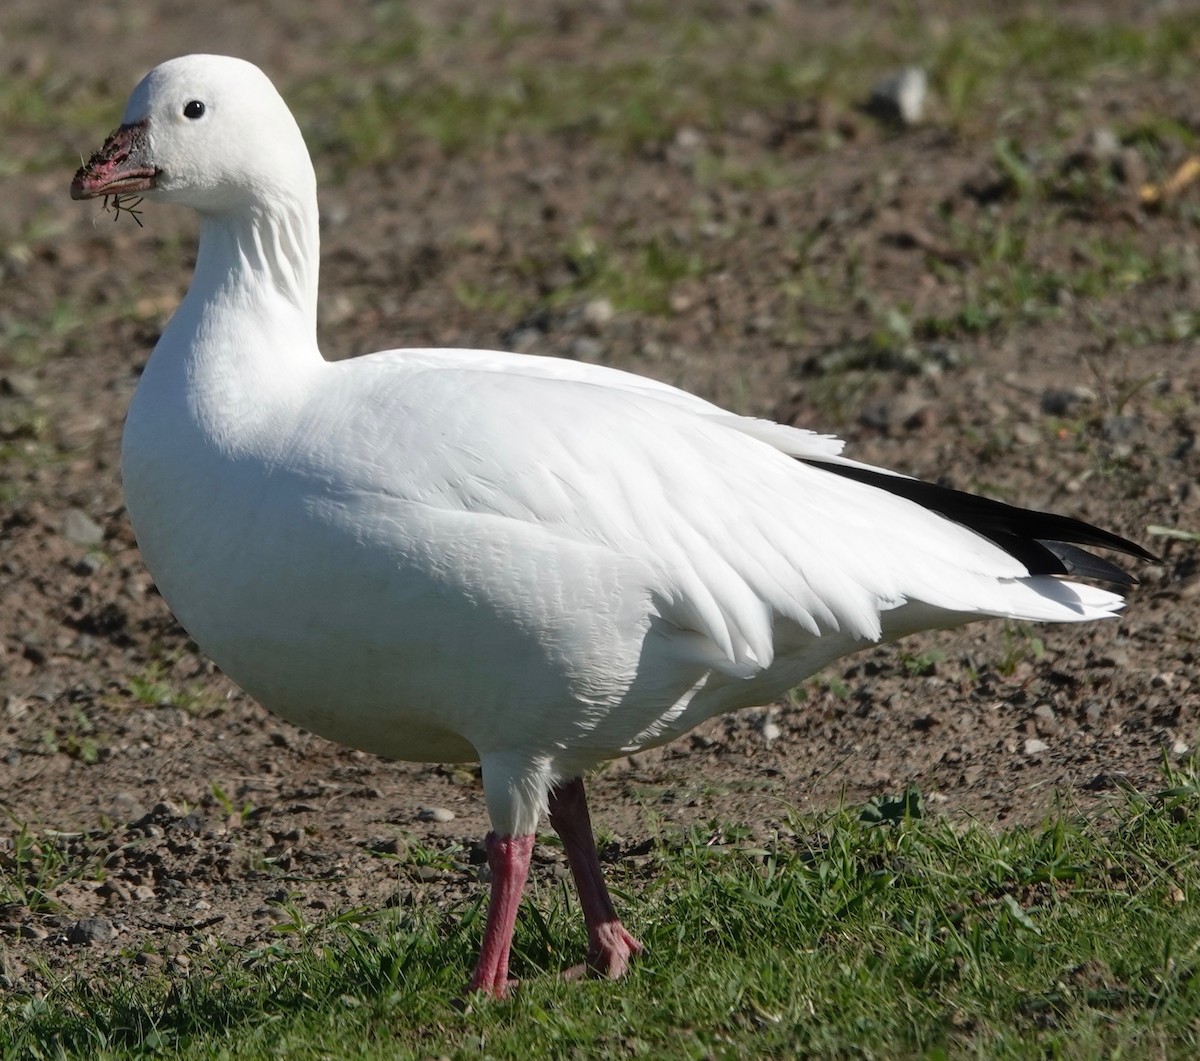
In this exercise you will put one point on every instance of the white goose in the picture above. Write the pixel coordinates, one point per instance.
(452, 555)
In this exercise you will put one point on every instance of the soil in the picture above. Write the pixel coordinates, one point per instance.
(120, 744)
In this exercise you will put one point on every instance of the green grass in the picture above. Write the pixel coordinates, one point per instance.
(665, 65)
(154, 686)
(33, 864)
(913, 937)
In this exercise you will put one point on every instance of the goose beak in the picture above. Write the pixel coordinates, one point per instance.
(122, 165)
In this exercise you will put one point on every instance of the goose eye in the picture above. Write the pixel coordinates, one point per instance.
(193, 109)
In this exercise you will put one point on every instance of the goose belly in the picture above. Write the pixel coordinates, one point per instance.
(415, 634)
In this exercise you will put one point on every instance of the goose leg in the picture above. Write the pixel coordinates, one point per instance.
(610, 946)
(508, 857)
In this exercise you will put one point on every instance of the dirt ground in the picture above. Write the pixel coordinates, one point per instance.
(206, 811)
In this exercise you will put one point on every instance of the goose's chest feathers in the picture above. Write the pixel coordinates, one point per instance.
(312, 544)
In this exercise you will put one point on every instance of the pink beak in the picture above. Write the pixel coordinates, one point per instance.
(122, 165)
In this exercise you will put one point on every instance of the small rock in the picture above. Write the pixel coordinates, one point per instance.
(91, 930)
(435, 814)
(387, 845)
(428, 873)
(1027, 435)
(688, 139)
(1058, 401)
(901, 96)
(597, 313)
(89, 565)
(80, 529)
(143, 893)
(1033, 746)
(1122, 428)
(1104, 781)
(771, 731)
(192, 822)
(17, 385)
(586, 348)
(114, 891)
(1102, 143)
(1179, 747)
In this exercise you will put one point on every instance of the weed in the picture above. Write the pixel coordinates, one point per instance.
(33, 864)
(1021, 645)
(154, 688)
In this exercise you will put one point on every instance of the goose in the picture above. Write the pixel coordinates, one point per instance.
(475, 556)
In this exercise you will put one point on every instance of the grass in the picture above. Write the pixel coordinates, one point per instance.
(662, 67)
(33, 864)
(838, 938)
(154, 686)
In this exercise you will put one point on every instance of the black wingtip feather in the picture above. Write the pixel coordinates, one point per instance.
(1044, 542)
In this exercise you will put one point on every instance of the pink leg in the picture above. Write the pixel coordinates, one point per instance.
(610, 946)
(508, 857)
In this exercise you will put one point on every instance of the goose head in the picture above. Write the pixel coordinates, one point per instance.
(205, 131)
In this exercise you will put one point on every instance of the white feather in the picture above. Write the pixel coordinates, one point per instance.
(457, 554)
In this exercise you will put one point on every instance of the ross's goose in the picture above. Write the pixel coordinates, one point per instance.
(469, 555)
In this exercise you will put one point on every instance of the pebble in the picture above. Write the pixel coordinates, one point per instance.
(1102, 143)
(388, 845)
(1121, 428)
(1179, 747)
(435, 814)
(192, 822)
(597, 313)
(89, 565)
(1033, 746)
(771, 731)
(18, 385)
(80, 529)
(429, 873)
(114, 890)
(689, 139)
(1027, 435)
(901, 96)
(91, 930)
(586, 348)
(1059, 401)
